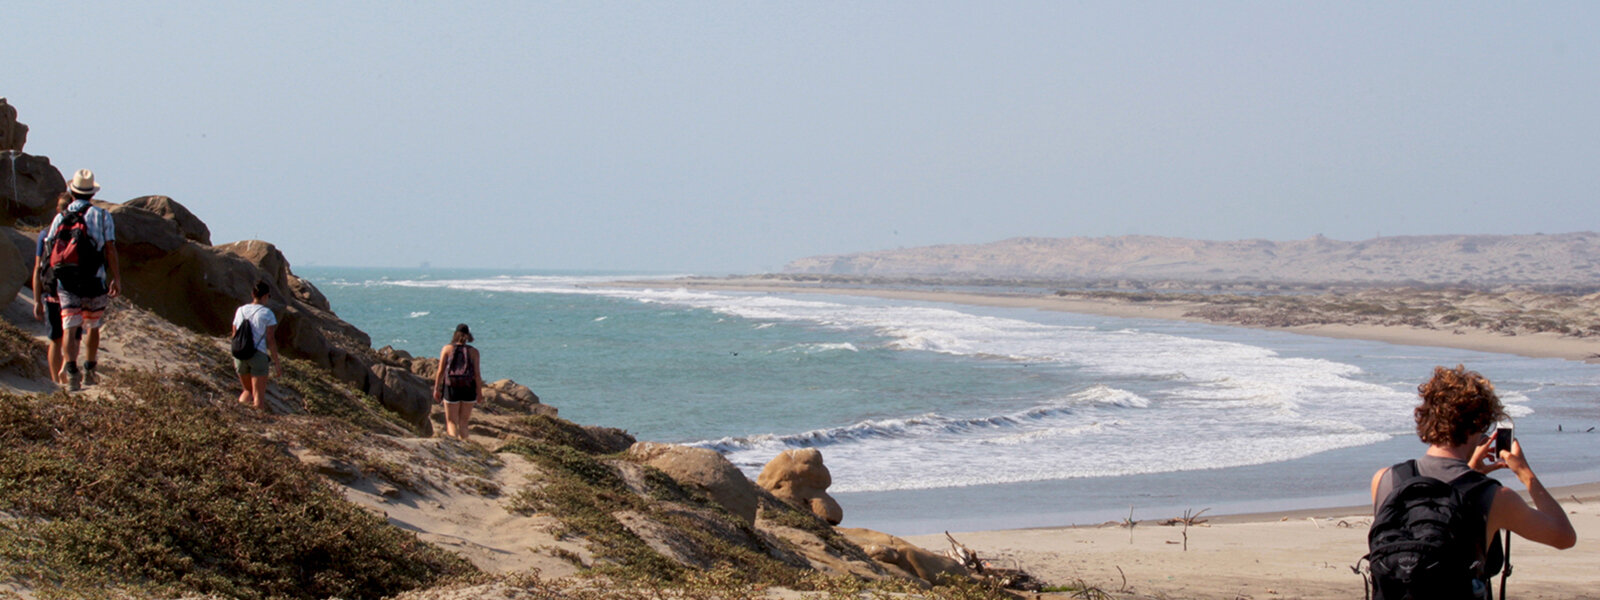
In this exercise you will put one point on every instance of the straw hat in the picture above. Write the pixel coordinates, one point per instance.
(83, 183)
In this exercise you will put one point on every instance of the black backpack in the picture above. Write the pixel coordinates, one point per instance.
(74, 259)
(458, 370)
(1427, 539)
(244, 340)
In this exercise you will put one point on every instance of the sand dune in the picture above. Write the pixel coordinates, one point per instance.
(1568, 259)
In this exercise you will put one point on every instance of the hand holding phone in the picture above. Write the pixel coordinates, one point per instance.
(1504, 433)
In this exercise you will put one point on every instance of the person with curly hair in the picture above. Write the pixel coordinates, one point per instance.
(1454, 418)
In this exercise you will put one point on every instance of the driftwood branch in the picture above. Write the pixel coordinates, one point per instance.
(1187, 519)
(1013, 578)
(1130, 523)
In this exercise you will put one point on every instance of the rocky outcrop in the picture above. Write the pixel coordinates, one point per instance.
(169, 269)
(189, 226)
(908, 557)
(706, 470)
(19, 240)
(799, 478)
(504, 397)
(509, 397)
(183, 282)
(15, 269)
(28, 188)
(13, 134)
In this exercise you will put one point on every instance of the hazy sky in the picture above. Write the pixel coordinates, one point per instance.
(736, 136)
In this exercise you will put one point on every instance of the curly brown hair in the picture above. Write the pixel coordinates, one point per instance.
(1456, 403)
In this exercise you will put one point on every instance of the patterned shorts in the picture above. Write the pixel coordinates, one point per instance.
(77, 311)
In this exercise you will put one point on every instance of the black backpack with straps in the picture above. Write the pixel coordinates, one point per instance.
(1428, 538)
(243, 344)
(458, 371)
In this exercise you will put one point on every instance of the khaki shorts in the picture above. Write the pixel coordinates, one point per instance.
(259, 365)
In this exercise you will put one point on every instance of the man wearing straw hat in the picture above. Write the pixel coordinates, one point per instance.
(83, 305)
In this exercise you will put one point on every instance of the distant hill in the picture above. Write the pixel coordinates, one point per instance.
(1568, 258)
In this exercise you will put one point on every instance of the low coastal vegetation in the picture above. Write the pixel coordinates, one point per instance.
(157, 485)
(1512, 311)
(146, 490)
(1562, 309)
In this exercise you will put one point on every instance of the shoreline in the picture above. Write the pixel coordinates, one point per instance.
(1539, 345)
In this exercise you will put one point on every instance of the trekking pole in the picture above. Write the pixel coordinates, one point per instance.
(1506, 572)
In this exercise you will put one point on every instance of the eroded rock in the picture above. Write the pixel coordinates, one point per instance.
(705, 469)
(28, 188)
(13, 134)
(16, 269)
(913, 559)
(799, 478)
(189, 226)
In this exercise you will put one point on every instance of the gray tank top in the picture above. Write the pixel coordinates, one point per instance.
(1437, 467)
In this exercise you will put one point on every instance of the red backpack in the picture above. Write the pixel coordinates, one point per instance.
(74, 257)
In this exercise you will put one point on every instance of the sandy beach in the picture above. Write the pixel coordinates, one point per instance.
(1305, 554)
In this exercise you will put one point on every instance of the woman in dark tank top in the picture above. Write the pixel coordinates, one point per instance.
(458, 397)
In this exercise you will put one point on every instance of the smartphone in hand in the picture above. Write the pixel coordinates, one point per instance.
(1504, 433)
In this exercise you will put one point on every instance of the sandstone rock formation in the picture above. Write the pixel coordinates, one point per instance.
(511, 397)
(13, 135)
(28, 188)
(909, 557)
(1568, 258)
(799, 478)
(16, 268)
(189, 226)
(21, 241)
(705, 469)
(168, 268)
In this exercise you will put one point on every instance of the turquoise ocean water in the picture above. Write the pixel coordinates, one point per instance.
(946, 417)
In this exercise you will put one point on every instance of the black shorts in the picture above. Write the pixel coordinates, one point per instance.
(52, 313)
(461, 393)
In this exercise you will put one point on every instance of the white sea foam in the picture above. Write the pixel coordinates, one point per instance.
(1200, 403)
(817, 348)
(416, 314)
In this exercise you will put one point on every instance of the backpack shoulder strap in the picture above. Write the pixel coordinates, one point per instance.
(1476, 488)
(1477, 495)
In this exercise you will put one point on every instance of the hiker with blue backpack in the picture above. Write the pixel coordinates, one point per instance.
(457, 382)
(255, 347)
(83, 258)
(1436, 519)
